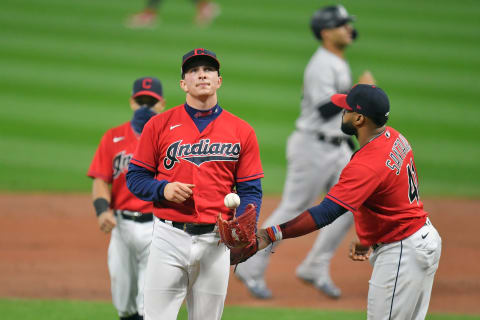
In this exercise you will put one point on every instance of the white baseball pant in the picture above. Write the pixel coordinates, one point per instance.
(402, 277)
(182, 266)
(127, 261)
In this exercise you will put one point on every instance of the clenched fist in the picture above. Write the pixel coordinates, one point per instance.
(359, 252)
(178, 192)
(106, 221)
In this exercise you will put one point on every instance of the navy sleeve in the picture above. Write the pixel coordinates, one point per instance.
(326, 212)
(142, 183)
(249, 192)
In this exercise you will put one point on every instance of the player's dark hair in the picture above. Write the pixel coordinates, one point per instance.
(379, 122)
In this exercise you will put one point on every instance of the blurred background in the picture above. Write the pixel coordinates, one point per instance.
(67, 68)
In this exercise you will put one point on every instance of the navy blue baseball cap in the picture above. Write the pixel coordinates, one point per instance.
(147, 86)
(199, 53)
(369, 100)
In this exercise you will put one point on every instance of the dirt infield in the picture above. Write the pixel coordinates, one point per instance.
(51, 247)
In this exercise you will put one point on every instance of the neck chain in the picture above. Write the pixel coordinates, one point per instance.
(378, 135)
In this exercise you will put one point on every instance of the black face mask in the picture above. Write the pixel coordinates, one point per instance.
(349, 129)
(354, 34)
(140, 118)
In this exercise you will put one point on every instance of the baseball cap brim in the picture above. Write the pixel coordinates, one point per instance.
(340, 100)
(147, 93)
(211, 58)
(344, 21)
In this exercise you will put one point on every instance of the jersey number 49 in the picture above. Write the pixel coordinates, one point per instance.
(412, 182)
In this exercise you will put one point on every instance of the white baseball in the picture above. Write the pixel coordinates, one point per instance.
(231, 200)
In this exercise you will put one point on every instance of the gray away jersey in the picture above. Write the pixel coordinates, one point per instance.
(325, 75)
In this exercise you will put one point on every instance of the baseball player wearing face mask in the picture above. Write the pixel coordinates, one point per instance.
(380, 187)
(188, 159)
(317, 151)
(118, 211)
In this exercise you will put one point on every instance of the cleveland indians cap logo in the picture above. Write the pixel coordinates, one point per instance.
(200, 152)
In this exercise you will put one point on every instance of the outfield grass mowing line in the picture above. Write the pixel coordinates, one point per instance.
(404, 107)
(423, 83)
(64, 81)
(109, 7)
(70, 50)
(45, 154)
(76, 74)
(59, 57)
(417, 128)
(66, 116)
(438, 187)
(90, 116)
(70, 27)
(415, 51)
(452, 153)
(54, 60)
(88, 98)
(61, 133)
(92, 32)
(442, 102)
(423, 27)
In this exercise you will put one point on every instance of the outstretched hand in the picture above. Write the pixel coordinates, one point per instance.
(178, 192)
(366, 78)
(359, 252)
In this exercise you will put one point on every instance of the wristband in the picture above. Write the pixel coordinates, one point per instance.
(274, 233)
(101, 205)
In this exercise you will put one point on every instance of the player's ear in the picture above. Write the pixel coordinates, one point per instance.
(183, 85)
(133, 104)
(359, 119)
(159, 106)
(220, 81)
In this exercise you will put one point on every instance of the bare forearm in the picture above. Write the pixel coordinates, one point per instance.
(101, 202)
(100, 189)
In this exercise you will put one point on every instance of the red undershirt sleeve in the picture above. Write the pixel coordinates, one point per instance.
(301, 225)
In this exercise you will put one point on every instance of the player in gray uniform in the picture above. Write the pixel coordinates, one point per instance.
(317, 151)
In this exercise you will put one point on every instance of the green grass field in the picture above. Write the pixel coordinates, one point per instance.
(67, 75)
(81, 310)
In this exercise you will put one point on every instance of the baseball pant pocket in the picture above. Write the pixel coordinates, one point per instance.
(428, 247)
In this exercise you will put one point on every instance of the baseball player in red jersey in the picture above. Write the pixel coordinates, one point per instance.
(380, 187)
(119, 210)
(188, 159)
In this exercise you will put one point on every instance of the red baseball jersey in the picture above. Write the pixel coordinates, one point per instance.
(110, 164)
(380, 187)
(224, 153)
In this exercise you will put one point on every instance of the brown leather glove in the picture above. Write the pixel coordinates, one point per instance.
(238, 234)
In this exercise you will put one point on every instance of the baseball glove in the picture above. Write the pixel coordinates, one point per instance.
(238, 234)
(238, 255)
